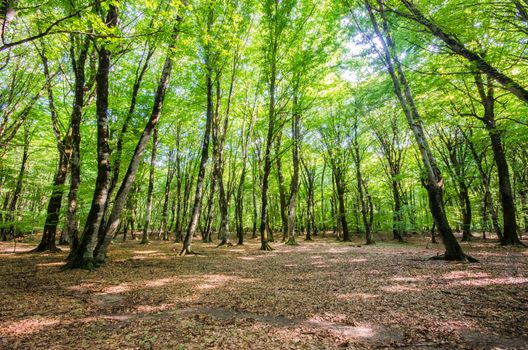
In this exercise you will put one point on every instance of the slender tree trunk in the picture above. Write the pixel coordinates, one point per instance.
(195, 213)
(294, 185)
(47, 242)
(396, 216)
(162, 232)
(13, 205)
(466, 212)
(150, 190)
(254, 197)
(363, 200)
(488, 198)
(54, 205)
(283, 206)
(434, 180)
(340, 188)
(509, 236)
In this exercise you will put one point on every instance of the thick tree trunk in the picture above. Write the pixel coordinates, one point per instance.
(83, 256)
(75, 126)
(116, 167)
(509, 236)
(128, 180)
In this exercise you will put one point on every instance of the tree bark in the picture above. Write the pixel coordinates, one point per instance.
(294, 185)
(64, 148)
(509, 236)
(162, 232)
(13, 204)
(195, 213)
(83, 256)
(78, 64)
(128, 180)
(150, 190)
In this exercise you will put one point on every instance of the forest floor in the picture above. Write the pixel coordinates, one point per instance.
(318, 295)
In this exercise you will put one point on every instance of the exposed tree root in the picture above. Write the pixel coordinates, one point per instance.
(40, 249)
(518, 244)
(291, 241)
(80, 263)
(266, 247)
(224, 244)
(187, 251)
(464, 257)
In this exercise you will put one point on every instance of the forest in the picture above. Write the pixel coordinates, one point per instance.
(231, 174)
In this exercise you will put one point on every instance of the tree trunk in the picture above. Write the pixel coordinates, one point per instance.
(433, 181)
(360, 184)
(294, 185)
(128, 180)
(83, 256)
(162, 232)
(150, 190)
(509, 236)
(193, 223)
(18, 186)
(282, 189)
(340, 188)
(75, 127)
(54, 205)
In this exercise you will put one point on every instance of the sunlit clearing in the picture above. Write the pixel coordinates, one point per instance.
(408, 279)
(27, 326)
(400, 289)
(59, 263)
(145, 251)
(464, 274)
(489, 281)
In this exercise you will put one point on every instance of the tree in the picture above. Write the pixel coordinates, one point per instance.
(433, 181)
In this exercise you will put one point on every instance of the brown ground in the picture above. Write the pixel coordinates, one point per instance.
(319, 295)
